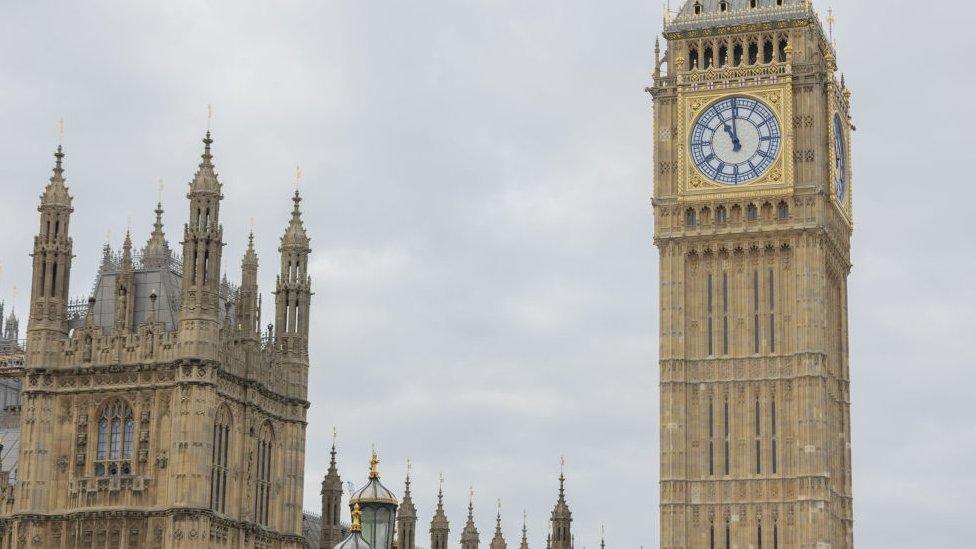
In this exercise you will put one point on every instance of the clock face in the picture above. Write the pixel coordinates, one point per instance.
(840, 158)
(735, 141)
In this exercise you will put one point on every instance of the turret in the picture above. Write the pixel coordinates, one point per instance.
(331, 504)
(125, 290)
(293, 294)
(469, 536)
(498, 542)
(525, 533)
(48, 320)
(202, 247)
(156, 254)
(439, 526)
(406, 518)
(248, 312)
(12, 327)
(562, 519)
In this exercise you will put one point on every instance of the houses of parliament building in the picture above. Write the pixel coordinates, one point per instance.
(161, 412)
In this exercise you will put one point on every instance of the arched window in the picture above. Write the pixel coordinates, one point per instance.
(113, 455)
(698, 8)
(753, 3)
(693, 58)
(218, 472)
(690, 218)
(783, 211)
(782, 50)
(752, 212)
(723, 6)
(262, 495)
(721, 215)
(768, 51)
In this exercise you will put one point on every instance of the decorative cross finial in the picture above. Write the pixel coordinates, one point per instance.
(298, 175)
(562, 465)
(209, 117)
(61, 132)
(162, 186)
(334, 433)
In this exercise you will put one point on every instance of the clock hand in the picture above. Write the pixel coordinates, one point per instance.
(736, 145)
(735, 139)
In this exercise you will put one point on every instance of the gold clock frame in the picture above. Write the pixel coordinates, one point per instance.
(778, 178)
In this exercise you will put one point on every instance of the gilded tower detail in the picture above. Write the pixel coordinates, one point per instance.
(157, 415)
(753, 221)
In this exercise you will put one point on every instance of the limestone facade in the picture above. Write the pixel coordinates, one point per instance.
(165, 418)
(754, 370)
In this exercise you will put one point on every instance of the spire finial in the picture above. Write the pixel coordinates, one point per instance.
(61, 131)
(298, 175)
(603, 535)
(356, 514)
(209, 118)
(471, 503)
(440, 491)
(830, 23)
(374, 472)
(162, 185)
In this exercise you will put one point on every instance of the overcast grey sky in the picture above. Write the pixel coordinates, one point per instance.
(477, 181)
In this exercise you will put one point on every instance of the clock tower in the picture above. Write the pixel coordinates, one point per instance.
(753, 221)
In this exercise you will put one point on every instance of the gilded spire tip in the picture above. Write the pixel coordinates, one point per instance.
(374, 461)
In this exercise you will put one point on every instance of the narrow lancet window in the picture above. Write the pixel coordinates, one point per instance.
(726, 423)
(711, 350)
(725, 313)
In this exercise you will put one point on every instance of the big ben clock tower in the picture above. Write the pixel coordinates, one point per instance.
(753, 220)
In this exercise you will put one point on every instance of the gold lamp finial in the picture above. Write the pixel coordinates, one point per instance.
(356, 514)
(373, 462)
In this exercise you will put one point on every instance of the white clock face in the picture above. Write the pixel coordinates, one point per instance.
(840, 158)
(735, 140)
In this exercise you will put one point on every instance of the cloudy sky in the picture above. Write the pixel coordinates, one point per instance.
(476, 182)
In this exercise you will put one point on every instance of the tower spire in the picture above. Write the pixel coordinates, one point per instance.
(562, 519)
(498, 542)
(406, 517)
(525, 531)
(469, 536)
(125, 289)
(156, 253)
(203, 243)
(439, 526)
(248, 312)
(293, 295)
(331, 502)
(48, 319)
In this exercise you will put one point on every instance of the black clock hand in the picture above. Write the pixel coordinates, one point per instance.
(735, 138)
